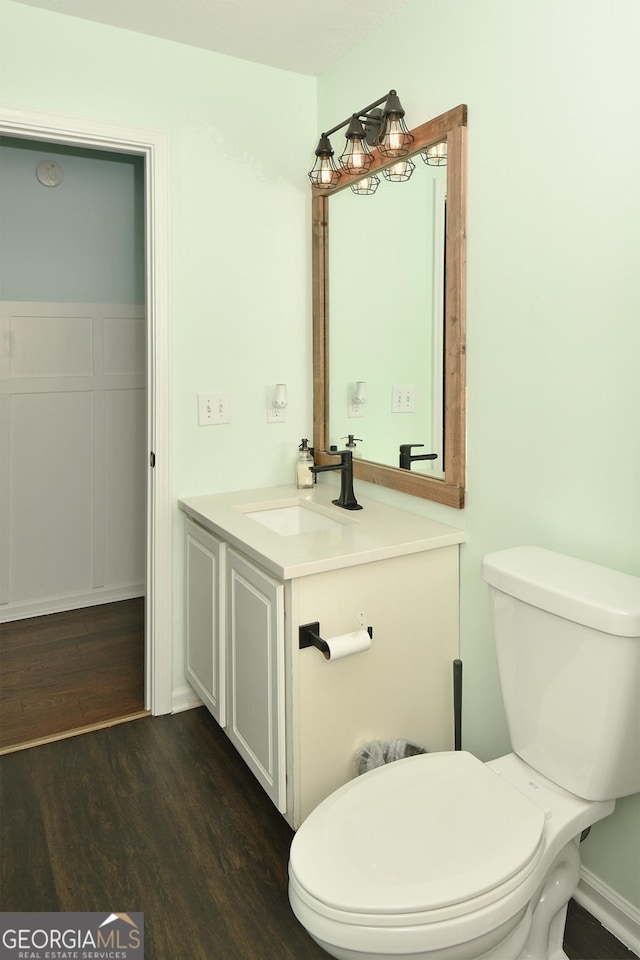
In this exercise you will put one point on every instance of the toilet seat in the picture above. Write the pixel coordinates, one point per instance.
(361, 855)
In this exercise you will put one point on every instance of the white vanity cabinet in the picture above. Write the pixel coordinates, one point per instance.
(204, 617)
(234, 639)
(255, 672)
(295, 717)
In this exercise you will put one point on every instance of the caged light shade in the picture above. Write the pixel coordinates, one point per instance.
(436, 154)
(394, 139)
(401, 170)
(324, 173)
(367, 185)
(356, 158)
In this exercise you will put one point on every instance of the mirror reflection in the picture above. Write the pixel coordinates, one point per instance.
(386, 302)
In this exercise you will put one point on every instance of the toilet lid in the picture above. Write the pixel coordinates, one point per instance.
(424, 832)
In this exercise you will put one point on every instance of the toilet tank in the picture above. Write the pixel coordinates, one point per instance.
(567, 637)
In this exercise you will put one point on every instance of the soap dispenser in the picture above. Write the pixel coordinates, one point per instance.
(304, 477)
(351, 445)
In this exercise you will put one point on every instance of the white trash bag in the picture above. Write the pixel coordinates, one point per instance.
(378, 752)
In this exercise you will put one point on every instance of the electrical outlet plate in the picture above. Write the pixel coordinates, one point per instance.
(214, 408)
(275, 414)
(354, 409)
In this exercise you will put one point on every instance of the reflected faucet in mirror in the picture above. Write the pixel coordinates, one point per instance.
(407, 458)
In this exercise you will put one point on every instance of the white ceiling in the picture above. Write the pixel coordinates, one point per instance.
(304, 36)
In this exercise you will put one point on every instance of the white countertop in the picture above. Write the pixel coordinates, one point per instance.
(376, 532)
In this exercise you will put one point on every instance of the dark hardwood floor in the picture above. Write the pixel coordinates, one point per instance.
(161, 816)
(586, 938)
(69, 671)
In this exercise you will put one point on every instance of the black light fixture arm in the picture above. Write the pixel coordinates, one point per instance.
(371, 126)
(360, 113)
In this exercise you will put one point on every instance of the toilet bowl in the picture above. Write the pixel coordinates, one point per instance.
(440, 856)
(443, 857)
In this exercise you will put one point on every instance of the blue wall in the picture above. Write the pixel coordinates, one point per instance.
(82, 241)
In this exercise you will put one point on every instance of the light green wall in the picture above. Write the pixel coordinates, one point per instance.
(240, 138)
(553, 297)
(79, 242)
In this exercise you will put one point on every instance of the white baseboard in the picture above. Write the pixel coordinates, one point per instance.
(38, 608)
(184, 698)
(616, 914)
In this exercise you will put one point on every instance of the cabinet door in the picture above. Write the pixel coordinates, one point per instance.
(255, 650)
(204, 604)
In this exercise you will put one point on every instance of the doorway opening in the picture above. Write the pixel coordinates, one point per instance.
(151, 147)
(73, 462)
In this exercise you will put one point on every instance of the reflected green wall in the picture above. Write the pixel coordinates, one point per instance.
(553, 297)
(382, 270)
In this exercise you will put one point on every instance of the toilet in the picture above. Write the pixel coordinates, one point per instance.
(443, 857)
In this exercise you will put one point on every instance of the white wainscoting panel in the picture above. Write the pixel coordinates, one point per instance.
(50, 494)
(72, 455)
(125, 457)
(53, 346)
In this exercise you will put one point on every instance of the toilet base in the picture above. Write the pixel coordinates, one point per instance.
(536, 932)
(507, 948)
(550, 911)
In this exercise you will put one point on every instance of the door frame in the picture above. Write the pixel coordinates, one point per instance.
(153, 146)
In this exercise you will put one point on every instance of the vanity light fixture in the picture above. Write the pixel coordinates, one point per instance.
(436, 154)
(383, 128)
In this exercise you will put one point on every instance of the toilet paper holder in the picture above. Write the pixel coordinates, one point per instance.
(309, 636)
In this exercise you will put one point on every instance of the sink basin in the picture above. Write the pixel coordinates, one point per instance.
(291, 521)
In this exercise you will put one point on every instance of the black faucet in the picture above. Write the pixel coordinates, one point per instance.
(406, 458)
(347, 498)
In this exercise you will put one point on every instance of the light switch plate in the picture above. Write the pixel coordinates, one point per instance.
(214, 408)
(403, 399)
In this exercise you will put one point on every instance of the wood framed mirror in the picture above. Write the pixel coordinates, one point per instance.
(406, 321)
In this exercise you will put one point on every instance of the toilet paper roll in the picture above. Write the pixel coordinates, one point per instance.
(347, 644)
